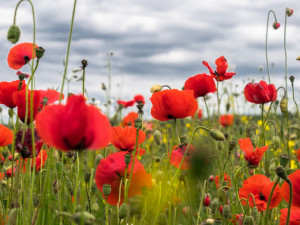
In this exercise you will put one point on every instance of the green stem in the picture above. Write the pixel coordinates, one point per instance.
(290, 203)
(207, 110)
(295, 100)
(83, 79)
(218, 101)
(201, 203)
(269, 200)
(68, 52)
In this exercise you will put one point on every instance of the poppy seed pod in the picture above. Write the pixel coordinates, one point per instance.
(83, 218)
(155, 88)
(39, 51)
(13, 34)
(280, 171)
(138, 123)
(106, 189)
(284, 160)
(283, 105)
(127, 159)
(226, 212)
(275, 142)
(157, 137)
(217, 135)
(249, 220)
(123, 211)
(84, 63)
(292, 79)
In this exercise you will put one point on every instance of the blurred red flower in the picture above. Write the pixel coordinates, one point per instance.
(260, 93)
(40, 161)
(260, 186)
(226, 120)
(252, 156)
(129, 119)
(74, 126)
(50, 96)
(20, 54)
(7, 89)
(221, 72)
(173, 104)
(198, 114)
(139, 98)
(201, 84)
(226, 179)
(298, 154)
(126, 104)
(285, 190)
(124, 138)
(177, 155)
(294, 218)
(6, 136)
(111, 170)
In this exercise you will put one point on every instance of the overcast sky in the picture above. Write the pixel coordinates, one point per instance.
(155, 42)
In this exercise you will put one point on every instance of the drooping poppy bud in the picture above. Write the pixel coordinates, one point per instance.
(275, 142)
(13, 34)
(211, 178)
(289, 12)
(226, 212)
(155, 88)
(157, 137)
(123, 211)
(217, 135)
(276, 25)
(214, 205)
(283, 104)
(249, 220)
(206, 201)
(280, 171)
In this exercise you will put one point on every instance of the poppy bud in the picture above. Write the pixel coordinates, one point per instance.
(123, 211)
(159, 175)
(162, 219)
(214, 205)
(284, 160)
(217, 135)
(39, 51)
(283, 104)
(106, 189)
(95, 207)
(59, 169)
(275, 142)
(84, 63)
(83, 218)
(16, 157)
(56, 186)
(289, 12)
(292, 78)
(255, 213)
(98, 159)
(87, 176)
(249, 220)
(157, 137)
(227, 107)
(13, 34)
(254, 140)
(226, 212)
(232, 145)
(211, 178)
(206, 201)
(103, 86)
(280, 171)
(155, 88)
(138, 123)
(276, 25)
(127, 158)
(9, 172)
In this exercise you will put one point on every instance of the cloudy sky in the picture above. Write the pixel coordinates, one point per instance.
(154, 42)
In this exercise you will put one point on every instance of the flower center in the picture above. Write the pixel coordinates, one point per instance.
(261, 196)
(26, 58)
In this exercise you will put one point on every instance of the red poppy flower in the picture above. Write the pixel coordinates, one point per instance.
(25, 147)
(126, 104)
(260, 186)
(40, 161)
(173, 104)
(7, 89)
(129, 119)
(50, 96)
(124, 138)
(226, 179)
(198, 114)
(20, 54)
(139, 98)
(201, 84)
(111, 170)
(177, 155)
(294, 218)
(221, 73)
(6, 136)
(237, 219)
(74, 126)
(226, 120)
(298, 154)
(285, 190)
(252, 156)
(19, 99)
(260, 93)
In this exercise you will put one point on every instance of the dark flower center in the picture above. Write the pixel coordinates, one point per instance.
(171, 117)
(26, 58)
(261, 196)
